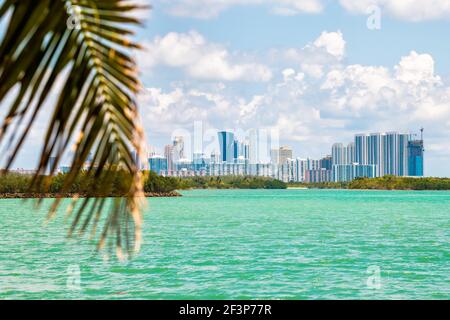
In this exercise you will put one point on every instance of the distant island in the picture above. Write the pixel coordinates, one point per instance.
(383, 183)
(14, 185)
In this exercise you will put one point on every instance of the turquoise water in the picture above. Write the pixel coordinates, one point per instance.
(240, 244)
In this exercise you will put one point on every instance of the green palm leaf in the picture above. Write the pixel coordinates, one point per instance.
(85, 41)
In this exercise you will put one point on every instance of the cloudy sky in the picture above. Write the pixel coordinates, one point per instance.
(316, 70)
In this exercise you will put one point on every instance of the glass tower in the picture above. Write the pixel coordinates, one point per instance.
(415, 158)
(227, 146)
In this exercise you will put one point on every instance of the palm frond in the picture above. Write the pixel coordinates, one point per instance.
(86, 42)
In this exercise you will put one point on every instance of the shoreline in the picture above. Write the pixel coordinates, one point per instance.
(365, 189)
(172, 194)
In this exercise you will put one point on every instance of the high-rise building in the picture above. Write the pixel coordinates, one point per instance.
(349, 172)
(227, 146)
(137, 160)
(318, 176)
(312, 164)
(275, 156)
(350, 153)
(199, 161)
(258, 147)
(158, 164)
(337, 153)
(343, 155)
(387, 151)
(178, 149)
(301, 165)
(169, 154)
(285, 154)
(326, 163)
(362, 148)
(415, 158)
(244, 150)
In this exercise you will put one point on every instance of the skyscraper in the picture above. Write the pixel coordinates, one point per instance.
(178, 149)
(343, 155)
(326, 163)
(362, 149)
(350, 153)
(285, 154)
(157, 164)
(395, 152)
(275, 157)
(258, 147)
(337, 154)
(227, 146)
(415, 158)
(169, 154)
(387, 151)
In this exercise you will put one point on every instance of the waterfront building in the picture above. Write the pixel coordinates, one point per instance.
(362, 148)
(157, 164)
(227, 146)
(341, 154)
(287, 171)
(349, 172)
(199, 161)
(387, 151)
(169, 154)
(178, 148)
(370, 155)
(350, 154)
(185, 164)
(284, 154)
(318, 175)
(301, 167)
(312, 164)
(337, 154)
(415, 158)
(275, 157)
(258, 147)
(326, 163)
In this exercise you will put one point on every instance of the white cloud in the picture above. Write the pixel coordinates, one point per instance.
(313, 113)
(333, 42)
(316, 57)
(409, 10)
(205, 9)
(293, 7)
(201, 59)
(417, 68)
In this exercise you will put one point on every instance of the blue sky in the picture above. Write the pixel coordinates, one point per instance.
(330, 75)
(310, 69)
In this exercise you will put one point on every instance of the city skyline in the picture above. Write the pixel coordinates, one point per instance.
(370, 155)
(160, 149)
(312, 74)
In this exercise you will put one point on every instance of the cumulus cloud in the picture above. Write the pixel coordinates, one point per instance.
(201, 59)
(409, 10)
(312, 113)
(293, 7)
(316, 57)
(205, 9)
(417, 68)
(333, 42)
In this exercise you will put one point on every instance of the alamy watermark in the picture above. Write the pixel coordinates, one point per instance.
(374, 19)
(254, 144)
(74, 20)
(374, 278)
(73, 282)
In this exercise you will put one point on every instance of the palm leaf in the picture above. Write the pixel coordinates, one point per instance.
(95, 109)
